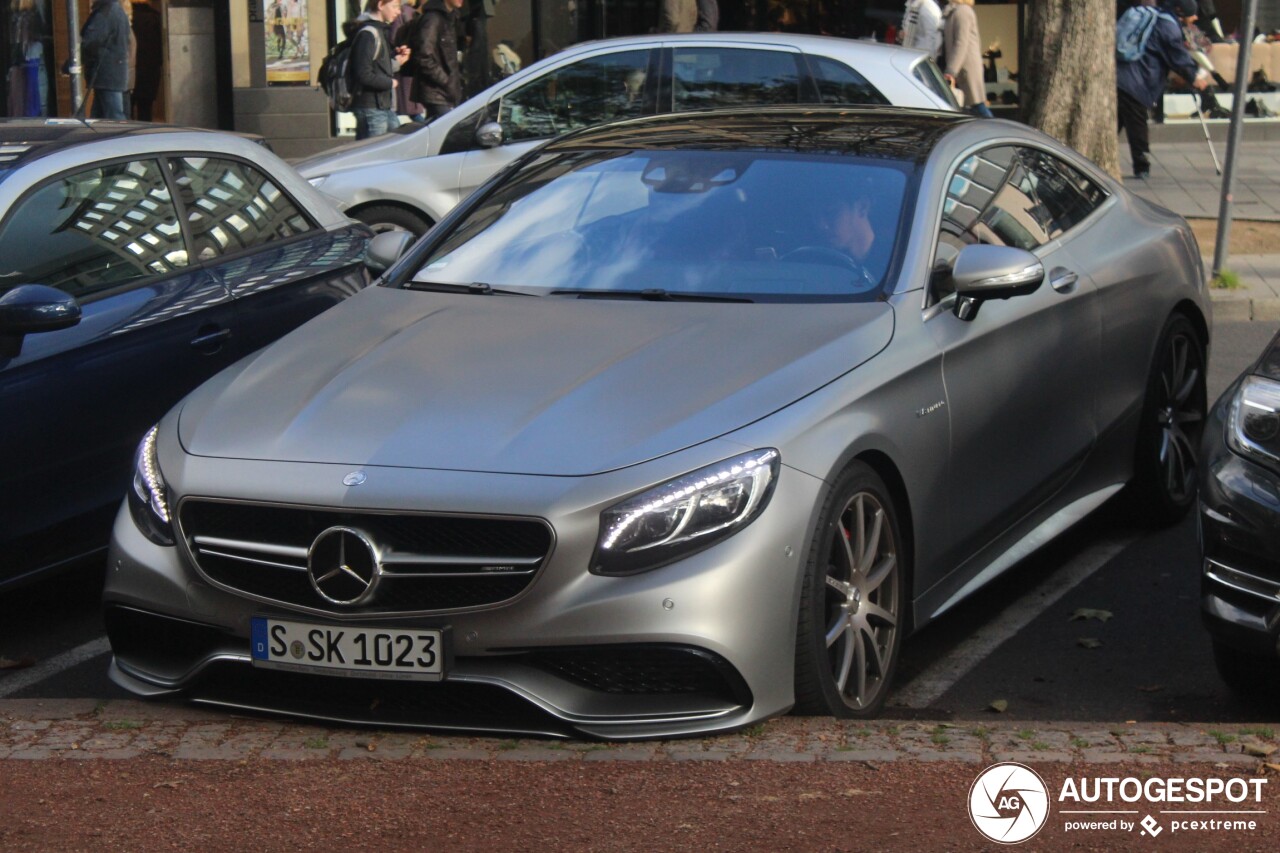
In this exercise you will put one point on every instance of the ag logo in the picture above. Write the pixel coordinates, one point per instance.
(1008, 803)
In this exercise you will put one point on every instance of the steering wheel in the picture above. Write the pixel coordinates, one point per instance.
(821, 255)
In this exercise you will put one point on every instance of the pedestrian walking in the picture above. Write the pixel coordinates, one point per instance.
(1143, 66)
(148, 33)
(961, 42)
(677, 16)
(479, 63)
(437, 79)
(403, 30)
(708, 16)
(922, 27)
(104, 50)
(374, 63)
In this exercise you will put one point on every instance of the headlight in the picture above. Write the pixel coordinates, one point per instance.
(1254, 431)
(684, 515)
(149, 496)
(317, 180)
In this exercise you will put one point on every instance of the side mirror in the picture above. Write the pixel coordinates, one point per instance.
(31, 308)
(983, 272)
(385, 249)
(489, 135)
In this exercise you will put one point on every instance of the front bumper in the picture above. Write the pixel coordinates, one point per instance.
(703, 645)
(1240, 541)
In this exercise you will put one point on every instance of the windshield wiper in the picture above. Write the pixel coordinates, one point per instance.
(479, 287)
(652, 294)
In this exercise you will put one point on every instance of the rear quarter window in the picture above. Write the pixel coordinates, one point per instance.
(839, 84)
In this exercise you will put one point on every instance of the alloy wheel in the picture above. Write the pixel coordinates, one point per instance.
(861, 601)
(1180, 415)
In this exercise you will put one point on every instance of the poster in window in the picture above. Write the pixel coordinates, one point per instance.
(288, 51)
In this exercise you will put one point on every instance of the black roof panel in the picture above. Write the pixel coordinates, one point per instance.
(888, 132)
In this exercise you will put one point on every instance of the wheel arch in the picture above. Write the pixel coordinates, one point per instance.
(396, 203)
(888, 472)
(1193, 313)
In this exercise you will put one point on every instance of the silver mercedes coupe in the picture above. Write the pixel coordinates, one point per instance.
(677, 424)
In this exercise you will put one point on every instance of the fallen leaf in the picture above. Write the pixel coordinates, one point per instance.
(1089, 642)
(999, 706)
(1275, 767)
(1090, 613)
(1261, 750)
(170, 784)
(1151, 688)
(20, 663)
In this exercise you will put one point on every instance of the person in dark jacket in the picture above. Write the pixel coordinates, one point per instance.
(1140, 83)
(374, 63)
(104, 49)
(148, 32)
(401, 33)
(437, 81)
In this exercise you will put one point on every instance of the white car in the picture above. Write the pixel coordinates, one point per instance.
(410, 179)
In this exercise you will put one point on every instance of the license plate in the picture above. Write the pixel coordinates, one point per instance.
(396, 653)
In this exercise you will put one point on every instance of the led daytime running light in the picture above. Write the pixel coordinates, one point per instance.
(684, 490)
(149, 471)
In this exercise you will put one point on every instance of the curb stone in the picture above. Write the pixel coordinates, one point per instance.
(110, 731)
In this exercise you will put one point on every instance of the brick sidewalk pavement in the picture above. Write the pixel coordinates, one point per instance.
(77, 729)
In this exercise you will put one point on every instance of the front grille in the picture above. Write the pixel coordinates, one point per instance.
(645, 670)
(430, 562)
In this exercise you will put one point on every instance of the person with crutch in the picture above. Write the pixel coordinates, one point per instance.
(1149, 46)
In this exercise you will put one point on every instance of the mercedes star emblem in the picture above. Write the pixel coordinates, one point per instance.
(343, 566)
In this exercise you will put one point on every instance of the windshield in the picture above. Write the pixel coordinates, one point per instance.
(685, 224)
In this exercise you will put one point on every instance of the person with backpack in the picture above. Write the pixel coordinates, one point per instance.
(437, 81)
(374, 63)
(1149, 45)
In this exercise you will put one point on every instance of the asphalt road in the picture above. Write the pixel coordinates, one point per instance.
(1014, 641)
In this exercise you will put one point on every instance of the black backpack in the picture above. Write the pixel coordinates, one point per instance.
(335, 76)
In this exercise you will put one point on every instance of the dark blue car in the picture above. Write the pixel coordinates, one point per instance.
(136, 261)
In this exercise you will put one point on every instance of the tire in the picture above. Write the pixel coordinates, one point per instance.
(1248, 675)
(1173, 415)
(385, 217)
(852, 602)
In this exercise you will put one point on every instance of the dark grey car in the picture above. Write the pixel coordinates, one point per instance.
(680, 423)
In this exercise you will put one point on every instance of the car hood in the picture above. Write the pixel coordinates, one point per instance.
(388, 148)
(522, 385)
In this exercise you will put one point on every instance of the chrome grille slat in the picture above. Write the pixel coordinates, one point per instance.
(209, 552)
(430, 562)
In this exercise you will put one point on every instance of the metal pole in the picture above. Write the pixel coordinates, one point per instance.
(73, 64)
(1234, 136)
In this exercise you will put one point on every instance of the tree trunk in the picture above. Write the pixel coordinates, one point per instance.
(1067, 78)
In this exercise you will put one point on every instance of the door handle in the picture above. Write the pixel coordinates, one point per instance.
(211, 340)
(1063, 280)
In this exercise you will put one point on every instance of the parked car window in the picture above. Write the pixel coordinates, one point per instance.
(593, 91)
(705, 77)
(840, 84)
(95, 230)
(991, 199)
(232, 206)
(929, 74)
(1067, 194)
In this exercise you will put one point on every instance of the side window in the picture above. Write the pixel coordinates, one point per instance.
(98, 229)
(1067, 195)
(705, 77)
(991, 199)
(232, 206)
(593, 91)
(840, 84)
